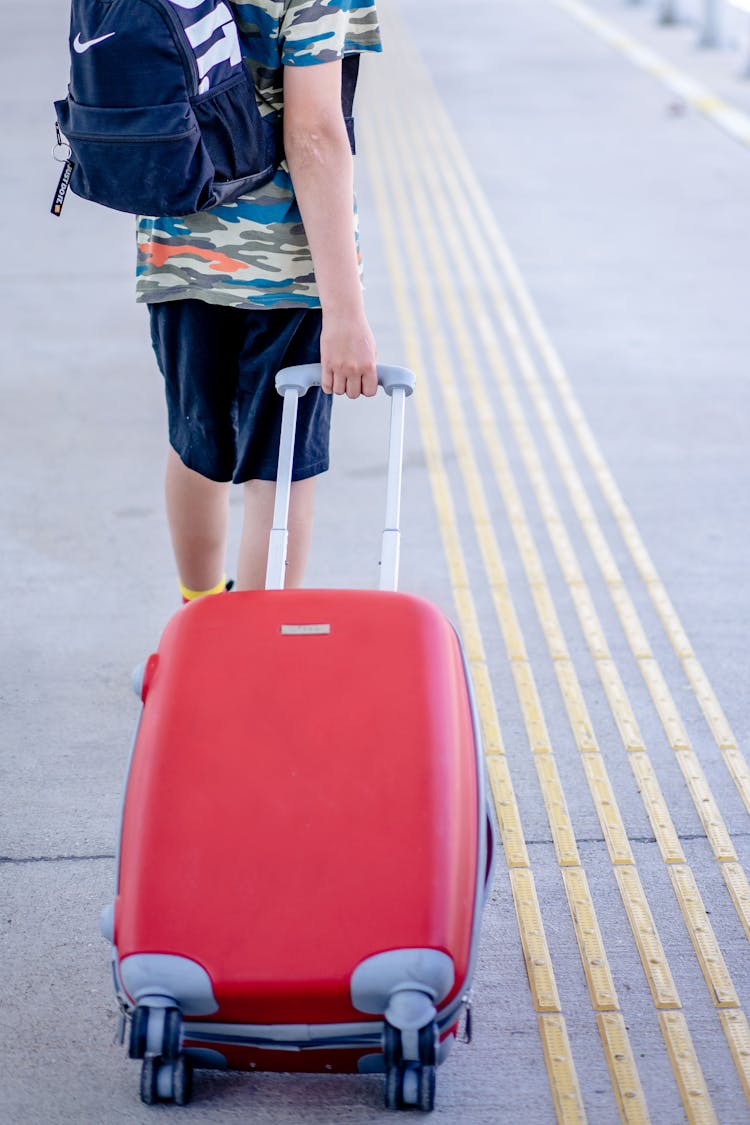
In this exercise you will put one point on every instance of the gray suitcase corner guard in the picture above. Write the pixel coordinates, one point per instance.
(404, 985)
(154, 977)
(107, 923)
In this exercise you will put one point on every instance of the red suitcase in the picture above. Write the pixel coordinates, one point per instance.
(305, 843)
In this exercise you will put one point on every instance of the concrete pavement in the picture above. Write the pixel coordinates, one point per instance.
(628, 227)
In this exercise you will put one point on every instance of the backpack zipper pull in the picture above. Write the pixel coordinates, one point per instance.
(61, 146)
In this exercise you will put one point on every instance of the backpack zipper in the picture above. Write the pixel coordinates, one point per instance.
(178, 33)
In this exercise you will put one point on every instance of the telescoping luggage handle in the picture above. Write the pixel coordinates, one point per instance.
(292, 383)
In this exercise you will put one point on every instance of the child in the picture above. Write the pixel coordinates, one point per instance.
(239, 292)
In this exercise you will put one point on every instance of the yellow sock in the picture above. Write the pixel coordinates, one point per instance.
(191, 595)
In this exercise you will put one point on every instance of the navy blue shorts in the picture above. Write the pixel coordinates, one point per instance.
(219, 365)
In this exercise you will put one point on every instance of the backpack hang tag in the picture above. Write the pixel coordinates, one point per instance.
(62, 188)
(68, 166)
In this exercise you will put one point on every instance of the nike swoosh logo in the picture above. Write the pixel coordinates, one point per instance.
(79, 46)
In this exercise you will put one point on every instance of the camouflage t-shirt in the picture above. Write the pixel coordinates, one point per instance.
(253, 253)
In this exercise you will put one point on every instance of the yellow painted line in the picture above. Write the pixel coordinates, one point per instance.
(533, 716)
(595, 964)
(506, 615)
(575, 705)
(693, 1090)
(493, 564)
(637, 639)
(566, 557)
(704, 941)
(740, 772)
(559, 1059)
(589, 619)
(669, 619)
(562, 1078)
(650, 949)
(601, 548)
(739, 888)
(509, 820)
(664, 704)
(734, 1024)
(549, 621)
(709, 104)
(615, 836)
(534, 943)
(631, 1101)
(472, 638)
(710, 706)
(619, 705)
(637, 548)
(533, 567)
(733, 121)
(656, 808)
(527, 549)
(492, 737)
(711, 818)
(558, 816)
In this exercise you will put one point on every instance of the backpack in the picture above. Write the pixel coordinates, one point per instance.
(161, 116)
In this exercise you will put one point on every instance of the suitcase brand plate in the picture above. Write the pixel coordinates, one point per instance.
(305, 630)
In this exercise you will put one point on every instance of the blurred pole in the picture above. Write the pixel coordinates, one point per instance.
(743, 9)
(667, 12)
(710, 28)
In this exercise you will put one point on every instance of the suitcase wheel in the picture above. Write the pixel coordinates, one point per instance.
(149, 1072)
(138, 1024)
(410, 1085)
(166, 1081)
(410, 1082)
(394, 1087)
(172, 1035)
(393, 1048)
(163, 1026)
(182, 1081)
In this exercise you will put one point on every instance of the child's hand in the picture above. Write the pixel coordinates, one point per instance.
(347, 356)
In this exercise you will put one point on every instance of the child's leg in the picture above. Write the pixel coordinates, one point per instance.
(258, 521)
(197, 510)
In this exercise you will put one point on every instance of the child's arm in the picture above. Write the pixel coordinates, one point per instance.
(320, 162)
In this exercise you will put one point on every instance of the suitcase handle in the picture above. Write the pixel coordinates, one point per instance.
(307, 375)
(292, 383)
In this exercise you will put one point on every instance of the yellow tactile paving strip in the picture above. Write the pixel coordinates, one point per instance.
(531, 927)
(434, 220)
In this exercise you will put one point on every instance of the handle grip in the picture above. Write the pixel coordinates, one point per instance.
(398, 383)
(306, 375)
